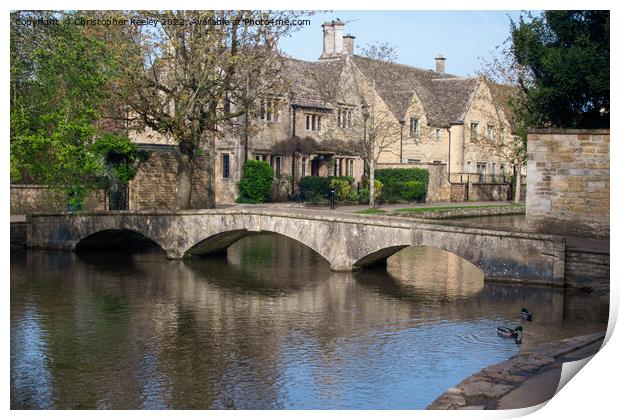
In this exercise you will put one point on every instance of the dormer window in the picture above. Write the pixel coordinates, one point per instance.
(344, 117)
(269, 110)
(313, 122)
(414, 126)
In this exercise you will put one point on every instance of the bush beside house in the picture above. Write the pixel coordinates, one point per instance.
(256, 183)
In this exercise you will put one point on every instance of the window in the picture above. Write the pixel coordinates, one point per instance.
(501, 136)
(269, 110)
(303, 167)
(437, 134)
(335, 167)
(493, 168)
(340, 167)
(436, 161)
(260, 157)
(313, 122)
(414, 126)
(225, 165)
(491, 133)
(468, 167)
(502, 169)
(344, 117)
(481, 168)
(278, 164)
(351, 167)
(414, 161)
(474, 131)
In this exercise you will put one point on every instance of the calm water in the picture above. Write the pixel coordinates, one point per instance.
(270, 326)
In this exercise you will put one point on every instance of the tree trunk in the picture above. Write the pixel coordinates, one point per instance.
(371, 183)
(185, 173)
(211, 172)
(517, 196)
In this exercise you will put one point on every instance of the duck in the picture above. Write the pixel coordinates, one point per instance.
(509, 332)
(526, 315)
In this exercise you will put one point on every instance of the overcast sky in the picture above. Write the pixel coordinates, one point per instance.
(418, 36)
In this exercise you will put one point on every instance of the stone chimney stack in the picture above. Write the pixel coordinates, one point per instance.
(440, 64)
(349, 44)
(333, 46)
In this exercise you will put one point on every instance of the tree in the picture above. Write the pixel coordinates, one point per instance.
(565, 57)
(191, 80)
(372, 130)
(502, 73)
(58, 79)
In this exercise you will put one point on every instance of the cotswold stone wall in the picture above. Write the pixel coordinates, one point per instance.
(568, 181)
(438, 187)
(154, 185)
(27, 198)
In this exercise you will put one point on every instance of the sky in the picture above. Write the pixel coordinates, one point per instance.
(418, 36)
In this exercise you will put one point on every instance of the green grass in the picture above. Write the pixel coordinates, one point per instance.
(425, 209)
(371, 211)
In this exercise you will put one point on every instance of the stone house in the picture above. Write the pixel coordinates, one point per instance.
(310, 127)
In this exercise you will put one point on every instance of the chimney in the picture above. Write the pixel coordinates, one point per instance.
(349, 44)
(440, 64)
(332, 39)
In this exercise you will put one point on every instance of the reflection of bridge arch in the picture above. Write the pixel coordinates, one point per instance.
(345, 241)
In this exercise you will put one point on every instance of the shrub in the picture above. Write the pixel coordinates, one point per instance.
(255, 184)
(378, 188)
(363, 196)
(412, 190)
(342, 187)
(318, 188)
(353, 195)
(395, 178)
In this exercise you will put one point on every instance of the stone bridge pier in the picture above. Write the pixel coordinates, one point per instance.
(346, 241)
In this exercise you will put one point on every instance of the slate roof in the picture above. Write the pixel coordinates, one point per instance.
(312, 83)
(444, 97)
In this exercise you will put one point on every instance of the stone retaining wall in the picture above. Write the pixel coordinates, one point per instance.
(29, 198)
(154, 185)
(568, 181)
(484, 389)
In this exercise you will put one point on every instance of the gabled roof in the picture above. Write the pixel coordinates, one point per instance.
(455, 95)
(444, 97)
(312, 84)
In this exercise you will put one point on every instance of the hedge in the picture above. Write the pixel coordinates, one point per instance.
(255, 185)
(403, 183)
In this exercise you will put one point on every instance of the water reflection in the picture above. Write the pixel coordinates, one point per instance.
(269, 327)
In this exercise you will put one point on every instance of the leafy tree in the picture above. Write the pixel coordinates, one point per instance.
(58, 80)
(565, 57)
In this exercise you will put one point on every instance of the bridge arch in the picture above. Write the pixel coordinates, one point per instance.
(218, 243)
(113, 238)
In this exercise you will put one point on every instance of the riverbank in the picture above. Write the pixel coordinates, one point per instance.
(527, 379)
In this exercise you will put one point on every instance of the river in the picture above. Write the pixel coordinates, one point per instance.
(268, 326)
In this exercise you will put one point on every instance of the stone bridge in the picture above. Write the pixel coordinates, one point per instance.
(346, 241)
